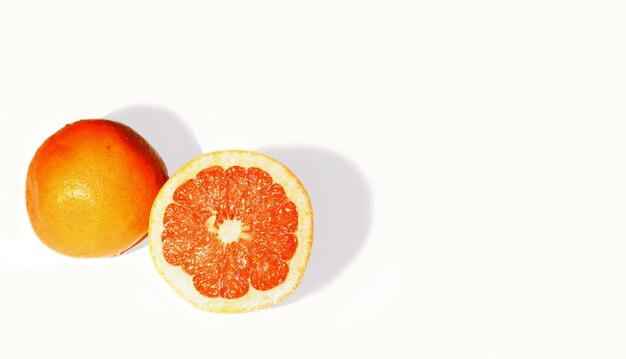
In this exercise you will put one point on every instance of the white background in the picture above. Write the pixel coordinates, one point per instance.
(465, 161)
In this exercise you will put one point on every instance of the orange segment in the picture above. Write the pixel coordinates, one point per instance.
(232, 231)
(262, 217)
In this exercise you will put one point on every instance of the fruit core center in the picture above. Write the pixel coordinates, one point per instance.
(229, 231)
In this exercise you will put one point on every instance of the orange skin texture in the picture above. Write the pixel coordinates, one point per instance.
(90, 188)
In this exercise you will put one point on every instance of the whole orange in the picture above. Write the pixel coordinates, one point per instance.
(90, 188)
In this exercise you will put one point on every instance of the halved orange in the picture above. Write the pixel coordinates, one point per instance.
(232, 231)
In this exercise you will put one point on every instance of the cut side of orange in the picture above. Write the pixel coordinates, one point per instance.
(232, 231)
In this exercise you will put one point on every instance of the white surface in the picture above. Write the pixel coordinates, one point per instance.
(465, 159)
